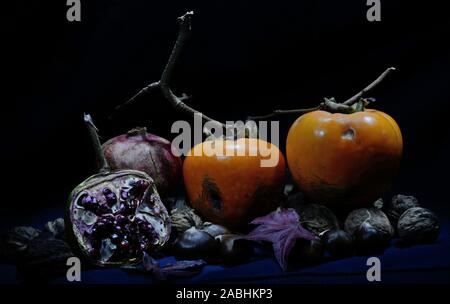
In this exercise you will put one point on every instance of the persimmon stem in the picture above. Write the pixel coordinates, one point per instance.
(163, 84)
(330, 104)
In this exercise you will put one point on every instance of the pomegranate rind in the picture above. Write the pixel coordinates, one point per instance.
(150, 210)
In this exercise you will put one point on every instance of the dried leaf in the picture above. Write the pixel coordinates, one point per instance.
(38, 255)
(281, 228)
(133, 268)
(150, 264)
(14, 243)
(45, 258)
(184, 265)
(56, 228)
(177, 269)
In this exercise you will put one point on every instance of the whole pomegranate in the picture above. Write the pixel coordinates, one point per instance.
(114, 216)
(139, 150)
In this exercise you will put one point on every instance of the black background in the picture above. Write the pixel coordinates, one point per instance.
(244, 58)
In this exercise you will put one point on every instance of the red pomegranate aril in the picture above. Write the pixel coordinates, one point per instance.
(124, 245)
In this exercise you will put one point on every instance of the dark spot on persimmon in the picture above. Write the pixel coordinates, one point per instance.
(212, 193)
(348, 134)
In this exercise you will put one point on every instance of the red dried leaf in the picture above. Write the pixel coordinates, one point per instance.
(281, 228)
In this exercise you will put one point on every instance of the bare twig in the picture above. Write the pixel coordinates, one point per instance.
(178, 102)
(330, 104)
(184, 32)
(163, 84)
(282, 112)
(369, 88)
(142, 92)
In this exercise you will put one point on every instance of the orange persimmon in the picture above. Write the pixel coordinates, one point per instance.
(232, 190)
(344, 159)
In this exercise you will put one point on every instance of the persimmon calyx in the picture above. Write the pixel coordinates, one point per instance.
(331, 105)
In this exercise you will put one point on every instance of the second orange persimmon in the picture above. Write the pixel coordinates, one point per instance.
(344, 159)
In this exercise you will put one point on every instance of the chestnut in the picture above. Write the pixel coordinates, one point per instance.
(369, 239)
(308, 252)
(233, 248)
(338, 243)
(214, 229)
(195, 244)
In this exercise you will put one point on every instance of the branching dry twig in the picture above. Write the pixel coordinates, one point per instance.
(163, 84)
(144, 91)
(369, 88)
(177, 102)
(330, 104)
(282, 112)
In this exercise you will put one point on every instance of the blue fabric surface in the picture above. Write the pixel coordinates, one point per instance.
(417, 264)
